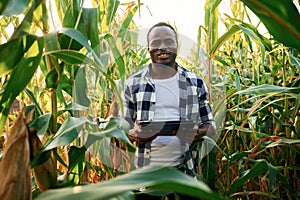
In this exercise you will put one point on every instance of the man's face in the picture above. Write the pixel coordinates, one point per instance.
(162, 45)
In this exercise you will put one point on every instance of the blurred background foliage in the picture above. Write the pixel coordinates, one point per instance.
(71, 75)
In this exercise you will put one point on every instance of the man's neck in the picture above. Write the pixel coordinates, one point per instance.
(159, 71)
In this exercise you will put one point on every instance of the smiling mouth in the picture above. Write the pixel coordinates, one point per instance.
(163, 55)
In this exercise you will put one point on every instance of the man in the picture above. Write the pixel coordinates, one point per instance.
(164, 92)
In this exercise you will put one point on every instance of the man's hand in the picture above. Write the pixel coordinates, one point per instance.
(205, 129)
(187, 132)
(190, 134)
(140, 135)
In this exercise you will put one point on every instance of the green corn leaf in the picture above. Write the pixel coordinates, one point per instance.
(3, 5)
(295, 61)
(41, 123)
(117, 56)
(233, 29)
(111, 10)
(13, 51)
(90, 19)
(16, 7)
(24, 27)
(66, 133)
(73, 126)
(38, 110)
(115, 127)
(281, 18)
(211, 21)
(76, 164)
(65, 84)
(284, 142)
(266, 89)
(154, 177)
(260, 167)
(80, 38)
(80, 89)
(73, 19)
(237, 81)
(52, 79)
(16, 83)
(75, 106)
(126, 23)
(246, 29)
(72, 57)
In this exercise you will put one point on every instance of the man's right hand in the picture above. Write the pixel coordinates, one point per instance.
(140, 135)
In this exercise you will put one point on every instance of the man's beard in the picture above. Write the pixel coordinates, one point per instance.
(165, 64)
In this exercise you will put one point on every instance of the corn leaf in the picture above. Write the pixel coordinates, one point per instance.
(281, 18)
(80, 38)
(111, 10)
(13, 51)
(41, 123)
(3, 5)
(266, 89)
(76, 164)
(126, 23)
(258, 169)
(66, 133)
(116, 53)
(16, 83)
(16, 7)
(247, 30)
(211, 20)
(24, 27)
(90, 19)
(115, 127)
(154, 177)
(72, 57)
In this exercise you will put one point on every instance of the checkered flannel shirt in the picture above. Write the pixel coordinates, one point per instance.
(139, 100)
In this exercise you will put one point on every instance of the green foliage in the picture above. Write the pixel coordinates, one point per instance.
(280, 17)
(16, 84)
(155, 179)
(261, 80)
(72, 75)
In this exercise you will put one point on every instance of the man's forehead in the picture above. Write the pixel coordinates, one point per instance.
(161, 30)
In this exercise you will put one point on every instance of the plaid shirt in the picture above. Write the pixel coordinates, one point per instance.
(139, 100)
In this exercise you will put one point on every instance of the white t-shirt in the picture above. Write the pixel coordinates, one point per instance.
(166, 150)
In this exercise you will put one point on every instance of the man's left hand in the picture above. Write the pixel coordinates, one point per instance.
(190, 134)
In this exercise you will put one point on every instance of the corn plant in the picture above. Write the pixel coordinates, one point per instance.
(67, 78)
(261, 80)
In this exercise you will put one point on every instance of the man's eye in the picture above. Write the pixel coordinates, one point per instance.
(169, 42)
(155, 43)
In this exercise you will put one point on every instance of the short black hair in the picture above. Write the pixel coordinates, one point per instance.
(159, 24)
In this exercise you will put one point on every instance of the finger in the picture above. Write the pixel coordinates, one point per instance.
(132, 138)
(137, 129)
(196, 127)
(138, 123)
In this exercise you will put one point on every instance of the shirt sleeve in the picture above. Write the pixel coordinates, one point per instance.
(205, 111)
(128, 105)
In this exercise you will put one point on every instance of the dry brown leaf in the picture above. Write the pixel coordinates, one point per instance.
(45, 174)
(14, 168)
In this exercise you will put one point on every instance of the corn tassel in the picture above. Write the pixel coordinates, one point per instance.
(15, 173)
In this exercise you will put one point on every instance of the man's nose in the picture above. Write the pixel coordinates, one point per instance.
(162, 45)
